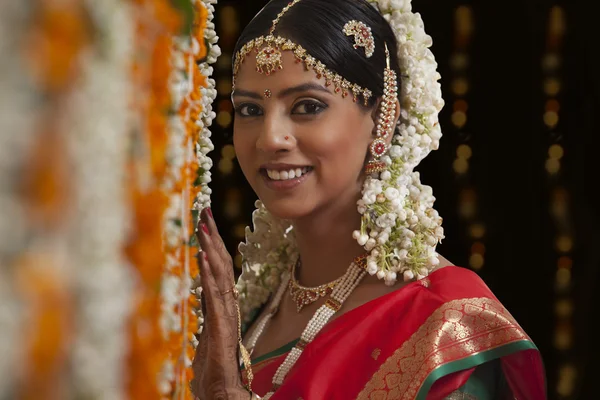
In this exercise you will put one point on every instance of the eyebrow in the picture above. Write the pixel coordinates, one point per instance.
(305, 87)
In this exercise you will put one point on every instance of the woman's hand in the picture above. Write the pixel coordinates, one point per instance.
(215, 365)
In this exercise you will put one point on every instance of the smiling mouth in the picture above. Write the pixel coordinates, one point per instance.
(285, 175)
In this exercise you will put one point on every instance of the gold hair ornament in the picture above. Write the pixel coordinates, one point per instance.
(362, 36)
(269, 60)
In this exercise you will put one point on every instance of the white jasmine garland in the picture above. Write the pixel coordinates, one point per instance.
(97, 128)
(204, 145)
(399, 228)
(19, 102)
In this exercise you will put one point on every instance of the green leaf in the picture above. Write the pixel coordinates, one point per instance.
(186, 9)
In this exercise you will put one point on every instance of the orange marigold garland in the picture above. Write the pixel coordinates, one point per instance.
(66, 228)
(155, 25)
(45, 41)
(188, 179)
(98, 127)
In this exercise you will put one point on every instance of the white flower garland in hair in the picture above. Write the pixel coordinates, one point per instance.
(97, 133)
(400, 229)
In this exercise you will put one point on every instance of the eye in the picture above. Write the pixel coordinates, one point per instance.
(248, 110)
(308, 107)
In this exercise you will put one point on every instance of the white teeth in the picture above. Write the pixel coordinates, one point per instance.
(287, 175)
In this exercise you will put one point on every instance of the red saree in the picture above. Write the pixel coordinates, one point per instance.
(422, 341)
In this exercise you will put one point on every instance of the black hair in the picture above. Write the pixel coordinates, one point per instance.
(317, 26)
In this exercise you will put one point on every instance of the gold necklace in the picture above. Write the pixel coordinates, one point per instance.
(303, 295)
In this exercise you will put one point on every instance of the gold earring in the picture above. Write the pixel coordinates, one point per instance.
(386, 122)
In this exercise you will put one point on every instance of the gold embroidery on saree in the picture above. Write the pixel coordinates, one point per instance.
(454, 331)
(458, 395)
(375, 354)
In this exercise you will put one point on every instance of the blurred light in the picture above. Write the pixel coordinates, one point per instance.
(464, 151)
(460, 86)
(228, 20)
(459, 119)
(477, 231)
(557, 21)
(237, 261)
(460, 166)
(564, 308)
(552, 87)
(563, 278)
(551, 62)
(567, 376)
(564, 244)
(478, 248)
(225, 166)
(224, 86)
(556, 151)
(464, 20)
(228, 152)
(459, 61)
(560, 194)
(467, 203)
(552, 166)
(239, 231)
(563, 337)
(553, 105)
(551, 119)
(476, 261)
(461, 105)
(232, 208)
(565, 262)
(224, 62)
(225, 105)
(224, 119)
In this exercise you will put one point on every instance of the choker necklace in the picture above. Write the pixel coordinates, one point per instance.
(303, 295)
(351, 279)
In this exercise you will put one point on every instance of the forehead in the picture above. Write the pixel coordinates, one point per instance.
(293, 73)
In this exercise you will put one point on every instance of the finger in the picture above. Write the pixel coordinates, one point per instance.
(210, 289)
(218, 244)
(218, 266)
(223, 299)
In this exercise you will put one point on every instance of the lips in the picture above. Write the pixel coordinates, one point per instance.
(284, 176)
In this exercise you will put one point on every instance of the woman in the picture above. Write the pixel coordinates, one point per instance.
(335, 106)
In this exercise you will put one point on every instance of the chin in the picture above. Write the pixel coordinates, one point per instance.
(288, 209)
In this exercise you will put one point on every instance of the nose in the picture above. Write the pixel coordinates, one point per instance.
(276, 135)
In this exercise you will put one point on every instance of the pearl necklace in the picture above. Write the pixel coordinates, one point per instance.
(353, 276)
(303, 295)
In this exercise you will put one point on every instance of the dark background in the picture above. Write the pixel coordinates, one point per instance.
(514, 175)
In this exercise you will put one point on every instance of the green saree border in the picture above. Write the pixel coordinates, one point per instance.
(275, 353)
(472, 361)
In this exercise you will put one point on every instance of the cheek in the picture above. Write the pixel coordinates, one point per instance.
(344, 141)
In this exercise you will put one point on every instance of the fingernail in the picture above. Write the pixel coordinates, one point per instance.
(205, 228)
(205, 256)
(209, 212)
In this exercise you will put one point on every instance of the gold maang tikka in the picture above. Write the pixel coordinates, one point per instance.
(269, 60)
(386, 122)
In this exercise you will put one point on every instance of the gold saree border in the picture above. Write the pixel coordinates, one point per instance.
(456, 330)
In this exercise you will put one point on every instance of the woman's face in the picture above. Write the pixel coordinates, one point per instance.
(303, 147)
